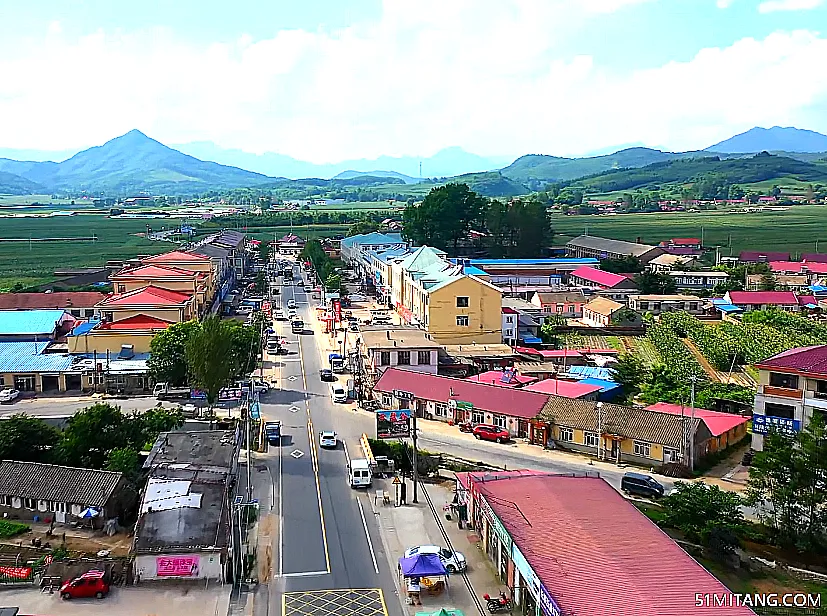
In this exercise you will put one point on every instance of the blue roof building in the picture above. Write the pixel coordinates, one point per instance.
(31, 324)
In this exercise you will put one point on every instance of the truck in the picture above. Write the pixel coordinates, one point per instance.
(165, 391)
(337, 362)
(272, 432)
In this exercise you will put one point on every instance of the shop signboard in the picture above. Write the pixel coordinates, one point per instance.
(15, 573)
(526, 572)
(547, 604)
(762, 424)
(177, 566)
(495, 523)
(393, 424)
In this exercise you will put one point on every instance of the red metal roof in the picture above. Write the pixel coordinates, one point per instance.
(494, 377)
(526, 350)
(718, 423)
(814, 257)
(139, 321)
(686, 241)
(147, 296)
(508, 310)
(591, 274)
(499, 400)
(554, 353)
(778, 298)
(812, 360)
(156, 271)
(796, 267)
(176, 256)
(756, 255)
(595, 553)
(567, 389)
(45, 301)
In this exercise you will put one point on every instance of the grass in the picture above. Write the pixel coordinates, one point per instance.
(29, 199)
(795, 230)
(11, 529)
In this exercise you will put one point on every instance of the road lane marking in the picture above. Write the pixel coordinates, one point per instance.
(367, 535)
(281, 515)
(306, 574)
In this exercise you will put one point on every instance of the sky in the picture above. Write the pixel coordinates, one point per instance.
(327, 80)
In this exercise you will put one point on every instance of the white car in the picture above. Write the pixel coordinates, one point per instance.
(338, 393)
(328, 440)
(452, 561)
(9, 395)
(291, 303)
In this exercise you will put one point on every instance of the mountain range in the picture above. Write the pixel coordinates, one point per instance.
(134, 163)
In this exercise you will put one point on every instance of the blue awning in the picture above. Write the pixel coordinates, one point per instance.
(729, 308)
(531, 340)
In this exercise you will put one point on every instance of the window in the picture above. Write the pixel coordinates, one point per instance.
(559, 308)
(590, 439)
(779, 410)
(423, 358)
(462, 302)
(387, 400)
(643, 305)
(477, 417)
(5, 501)
(509, 319)
(820, 391)
(440, 409)
(121, 288)
(790, 381)
(642, 449)
(29, 503)
(462, 321)
(547, 309)
(670, 455)
(403, 358)
(499, 421)
(566, 435)
(385, 358)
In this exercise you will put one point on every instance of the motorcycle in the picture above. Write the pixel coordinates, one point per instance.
(466, 427)
(498, 604)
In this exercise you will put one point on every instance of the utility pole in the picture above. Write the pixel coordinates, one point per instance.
(693, 379)
(599, 430)
(415, 469)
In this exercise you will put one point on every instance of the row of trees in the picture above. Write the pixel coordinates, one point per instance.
(323, 265)
(454, 216)
(209, 354)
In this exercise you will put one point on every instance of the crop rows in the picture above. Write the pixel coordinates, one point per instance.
(676, 357)
(719, 347)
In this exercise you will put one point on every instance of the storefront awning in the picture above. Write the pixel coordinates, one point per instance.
(530, 340)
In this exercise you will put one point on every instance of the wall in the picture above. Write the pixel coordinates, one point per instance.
(132, 284)
(100, 341)
(484, 313)
(209, 566)
(167, 314)
(430, 368)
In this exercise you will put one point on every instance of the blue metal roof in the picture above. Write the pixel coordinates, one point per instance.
(470, 270)
(603, 384)
(817, 288)
(560, 261)
(373, 238)
(29, 357)
(85, 327)
(728, 308)
(589, 372)
(29, 322)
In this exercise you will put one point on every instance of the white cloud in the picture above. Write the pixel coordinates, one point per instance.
(724, 4)
(489, 75)
(773, 6)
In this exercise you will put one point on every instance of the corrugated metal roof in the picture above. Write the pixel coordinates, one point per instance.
(812, 360)
(23, 322)
(610, 246)
(67, 484)
(20, 356)
(595, 553)
(45, 301)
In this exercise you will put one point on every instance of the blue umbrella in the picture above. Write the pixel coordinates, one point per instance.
(89, 512)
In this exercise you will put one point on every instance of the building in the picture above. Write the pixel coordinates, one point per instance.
(566, 304)
(507, 377)
(792, 387)
(566, 544)
(603, 248)
(30, 490)
(657, 304)
(355, 249)
(162, 304)
(762, 300)
(784, 282)
(510, 324)
(184, 528)
(727, 429)
(696, 281)
(380, 268)
(458, 400)
(604, 312)
(614, 286)
(195, 284)
(525, 276)
(391, 347)
(467, 359)
(236, 243)
(756, 256)
(33, 325)
(28, 367)
(667, 262)
(567, 389)
(814, 257)
(80, 304)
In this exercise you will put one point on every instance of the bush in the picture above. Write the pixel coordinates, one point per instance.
(12, 529)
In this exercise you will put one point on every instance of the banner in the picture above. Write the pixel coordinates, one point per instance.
(393, 424)
(178, 566)
(337, 309)
(16, 573)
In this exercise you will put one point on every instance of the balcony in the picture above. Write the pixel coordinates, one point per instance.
(816, 400)
(782, 392)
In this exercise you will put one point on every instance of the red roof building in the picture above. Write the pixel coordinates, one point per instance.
(567, 389)
(581, 548)
(175, 257)
(755, 256)
(692, 242)
(78, 303)
(811, 361)
(146, 296)
(718, 423)
(139, 322)
(799, 267)
(814, 257)
(753, 300)
(501, 378)
(586, 276)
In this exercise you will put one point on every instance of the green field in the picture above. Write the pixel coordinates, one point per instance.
(29, 199)
(795, 230)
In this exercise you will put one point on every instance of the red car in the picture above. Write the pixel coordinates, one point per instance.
(490, 433)
(90, 584)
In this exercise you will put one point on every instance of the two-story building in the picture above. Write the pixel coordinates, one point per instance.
(604, 248)
(164, 277)
(696, 281)
(792, 387)
(391, 347)
(657, 304)
(606, 284)
(355, 249)
(567, 304)
(604, 312)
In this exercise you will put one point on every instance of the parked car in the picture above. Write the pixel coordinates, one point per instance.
(338, 393)
(90, 584)
(490, 433)
(242, 310)
(9, 395)
(452, 561)
(641, 485)
(259, 386)
(328, 439)
(291, 303)
(326, 374)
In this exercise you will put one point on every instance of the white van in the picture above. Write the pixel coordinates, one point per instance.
(338, 393)
(359, 473)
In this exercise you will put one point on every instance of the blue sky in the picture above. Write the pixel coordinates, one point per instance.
(327, 80)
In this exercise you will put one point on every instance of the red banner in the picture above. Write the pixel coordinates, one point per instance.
(17, 573)
(337, 307)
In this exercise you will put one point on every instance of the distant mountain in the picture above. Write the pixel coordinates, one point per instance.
(11, 184)
(130, 163)
(491, 184)
(37, 155)
(788, 139)
(349, 175)
(445, 163)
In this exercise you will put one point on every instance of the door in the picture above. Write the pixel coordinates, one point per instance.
(614, 450)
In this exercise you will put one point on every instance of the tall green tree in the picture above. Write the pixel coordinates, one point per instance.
(245, 343)
(208, 353)
(26, 438)
(655, 283)
(445, 217)
(124, 460)
(630, 372)
(622, 265)
(91, 434)
(362, 227)
(168, 360)
(698, 509)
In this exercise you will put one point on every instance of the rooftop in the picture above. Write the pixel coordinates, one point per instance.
(57, 300)
(373, 238)
(210, 250)
(397, 337)
(154, 271)
(704, 274)
(68, 484)
(213, 449)
(785, 298)
(670, 260)
(809, 360)
(603, 305)
(549, 262)
(471, 351)
(147, 296)
(595, 553)
(25, 356)
(176, 256)
(500, 400)
(610, 246)
(136, 322)
(592, 274)
(29, 322)
(718, 423)
(501, 378)
(666, 298)
(563, 297)
(567, 389)
(797, 267)
(756, 255)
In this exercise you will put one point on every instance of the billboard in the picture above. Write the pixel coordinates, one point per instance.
(763, 424)
(177, 566)
(393, 424)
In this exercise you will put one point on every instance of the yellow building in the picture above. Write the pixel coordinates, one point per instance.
(196, 284)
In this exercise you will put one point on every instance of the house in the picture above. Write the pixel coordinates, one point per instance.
(593, 278)
(667, 262)
(682, 242)
(408, 347)
(31, 490)
(27, 366)
(236, 243)
(163, 304)
(727, 429)
(185, 281)
(814, 257)
(565, 304)
(785, 282)
(525, 276)
(507, 377)
(355, 249)
(509, 325)
(761, 300)
(34, 325)
(80, 304)
(567, 389)
(756, 256)
(184, 521)
(469, 358)
(123, 372)
(290, 245)
(696, 281)
(603, 248)
(380, 271)
(458, 400)
(567, 544)
(792, 387)
(603, 312)
(657, 304)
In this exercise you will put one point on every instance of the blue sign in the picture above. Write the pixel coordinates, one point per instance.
(547, 604)
(762, 424)
(255, 410)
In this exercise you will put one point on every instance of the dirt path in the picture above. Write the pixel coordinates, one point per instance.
(713, 374)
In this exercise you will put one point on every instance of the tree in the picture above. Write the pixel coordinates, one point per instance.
(445, 217)
(153, 422)
(245, 342)
(91, 434)
(655, 283)
(168, 361)
(550, 329)
(698, 510)
(622, 265)
(333, 283)
(207, 354)
(26, 438)
(264, 251)
(767, 282)
(630, 372)
(362, 227)
(124, 460)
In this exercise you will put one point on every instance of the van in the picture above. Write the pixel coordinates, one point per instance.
(338, 393)
(641, 485)
(359, 474)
